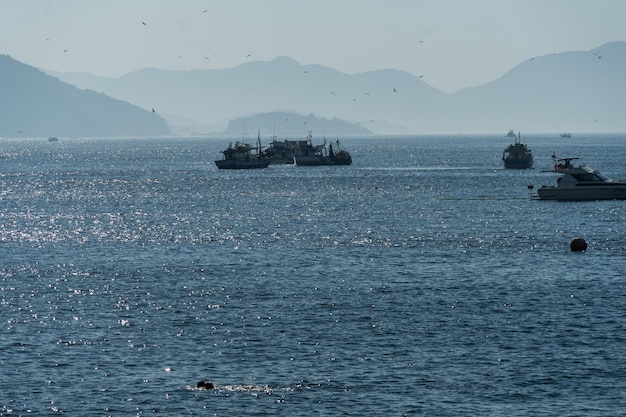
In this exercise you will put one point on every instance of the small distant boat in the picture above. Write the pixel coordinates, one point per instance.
(244, 156)
(580, 183)
(52, 139)
(321, 155)
(510, 134)
(517, 155)
(566, 135)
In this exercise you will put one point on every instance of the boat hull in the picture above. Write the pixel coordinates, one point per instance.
(242, 164)
(282, 161)
(318, 160)
(583, 193)
(518, 163)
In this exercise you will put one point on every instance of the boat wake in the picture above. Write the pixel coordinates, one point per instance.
(266, 389)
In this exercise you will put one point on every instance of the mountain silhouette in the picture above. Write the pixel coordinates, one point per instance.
(569, 91)
(34, 104)
(579, 91)
(377, 98)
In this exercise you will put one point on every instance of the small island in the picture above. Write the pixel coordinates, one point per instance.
(292, 125)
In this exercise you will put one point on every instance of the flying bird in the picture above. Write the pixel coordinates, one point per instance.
(143, 23)
(394, 89)
(153, 110)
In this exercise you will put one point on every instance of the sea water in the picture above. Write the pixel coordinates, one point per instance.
(421, 280)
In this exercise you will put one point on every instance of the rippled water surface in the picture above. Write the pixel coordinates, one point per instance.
(421, 280)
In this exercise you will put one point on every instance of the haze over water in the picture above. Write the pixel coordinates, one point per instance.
(421, 280)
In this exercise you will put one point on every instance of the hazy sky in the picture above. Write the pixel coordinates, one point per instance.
(451, 43)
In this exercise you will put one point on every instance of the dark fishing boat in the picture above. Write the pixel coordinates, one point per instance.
(285, 152)
(518, 155)
(334, 154)
(244, 156)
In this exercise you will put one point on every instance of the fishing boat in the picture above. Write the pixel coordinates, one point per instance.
(518, 155)
(285, 152)
(579, 183)
(53, 139)
(566, 135)
(510, 134)
(244, 156)
(316, 155)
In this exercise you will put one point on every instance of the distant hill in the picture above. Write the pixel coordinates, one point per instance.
(291, 125)
(378, 98)
(33, 104)
(571, 91)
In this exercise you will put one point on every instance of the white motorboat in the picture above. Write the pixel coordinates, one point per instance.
(579, 183)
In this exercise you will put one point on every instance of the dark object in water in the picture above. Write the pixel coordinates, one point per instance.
(205, 385)
(578, 244)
